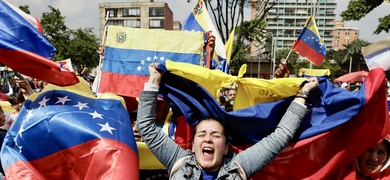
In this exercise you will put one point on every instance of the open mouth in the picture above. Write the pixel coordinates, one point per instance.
(208, 152)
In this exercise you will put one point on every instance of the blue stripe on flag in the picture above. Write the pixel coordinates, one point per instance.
(136, 62)
(312, 40)
(191, 24)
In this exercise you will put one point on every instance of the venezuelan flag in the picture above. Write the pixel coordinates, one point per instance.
(67, 132)
(309, 43)
(199, 20)
(24, 49)
(334, 133)
(129, 51)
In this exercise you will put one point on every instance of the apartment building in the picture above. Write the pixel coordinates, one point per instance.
(287, 18)
(343, 35)
(138, 14)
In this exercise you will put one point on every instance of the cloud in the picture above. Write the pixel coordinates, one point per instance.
(82, 13)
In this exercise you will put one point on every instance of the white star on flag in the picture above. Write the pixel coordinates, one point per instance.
(29, 114)
(43, 102)
(155, 57)
(96, 115)
(162, 58)
(106, 127)
(139, 68)
(148, 58)
(143, 62)
(21, 130)
(20, 147)
(81, 105)
(62, 100)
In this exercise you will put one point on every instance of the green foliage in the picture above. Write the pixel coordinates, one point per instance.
(282, 54)
(55, 30)
(25, 9)
(384, 25)
(357, 9)
(238, 60)
(79, 45)
(82, 48)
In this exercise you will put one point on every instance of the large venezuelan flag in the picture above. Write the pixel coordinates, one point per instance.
(333, 135)
(199, 20)
(309, 43)
(68, 133)
(24, 49)
(252, 90)
(129, 51)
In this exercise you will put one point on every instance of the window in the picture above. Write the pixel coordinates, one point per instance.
(113, 22)
(156, 12)
(346, 33)
(322, 11)
(156, 23)
(321, 22)
(280, 21)
(135, 23)
(133, 11)
(112, 12)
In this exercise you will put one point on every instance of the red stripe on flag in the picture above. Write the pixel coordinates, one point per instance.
(36, 66)
(121, 84)
(97, 159)
(307, 51)
(320, 156)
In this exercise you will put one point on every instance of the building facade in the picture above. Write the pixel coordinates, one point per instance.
(343, 35)
(287, 18)
(145, 14)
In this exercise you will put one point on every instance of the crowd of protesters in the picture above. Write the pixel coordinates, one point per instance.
(16, 88)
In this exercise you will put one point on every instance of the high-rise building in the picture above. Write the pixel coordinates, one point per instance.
(343, 35)
(287, 18)
(138, 14)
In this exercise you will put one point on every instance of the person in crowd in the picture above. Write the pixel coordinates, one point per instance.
(209, 158)
(231, 94)
(345, 86)
(3, 132)
(282, 70)
(16, 100)
(24, 86)
(3, 96)
(372, 164)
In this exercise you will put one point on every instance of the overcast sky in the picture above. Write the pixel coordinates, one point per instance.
(84, 13)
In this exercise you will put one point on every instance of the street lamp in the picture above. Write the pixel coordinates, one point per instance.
(273, 52)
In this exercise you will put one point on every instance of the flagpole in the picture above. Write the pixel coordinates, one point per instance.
(288, 55)
(100, 55)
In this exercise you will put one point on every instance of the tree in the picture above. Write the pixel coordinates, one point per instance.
(79, 45)
(82, 48)
(357, 9)
(25, 9)
(55, 30)
(230, 13)
(354, 52)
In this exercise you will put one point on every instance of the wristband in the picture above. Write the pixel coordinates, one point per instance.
(303, 94)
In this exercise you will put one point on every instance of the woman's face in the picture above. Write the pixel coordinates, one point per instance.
(372, 161)
(209, 145)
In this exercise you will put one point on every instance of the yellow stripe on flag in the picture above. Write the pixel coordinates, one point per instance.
(145, 39)
(229, 45)
(250, 91)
